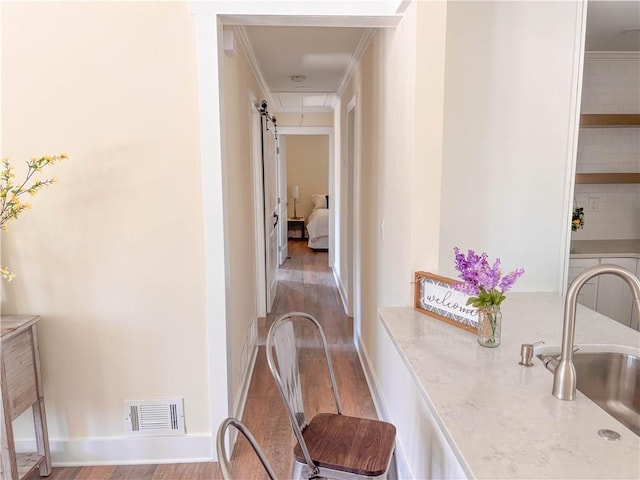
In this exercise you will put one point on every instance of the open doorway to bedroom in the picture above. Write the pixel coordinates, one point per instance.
(306, 157)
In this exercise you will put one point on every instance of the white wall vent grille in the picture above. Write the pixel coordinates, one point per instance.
(152, 418)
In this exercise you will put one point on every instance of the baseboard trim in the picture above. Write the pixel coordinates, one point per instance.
(381, 408)
(238, 411)
(73, 452)
(341, 290)
(78, 452)
(372, 382)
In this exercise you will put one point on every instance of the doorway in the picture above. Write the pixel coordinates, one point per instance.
(226, 330)
(308, 159)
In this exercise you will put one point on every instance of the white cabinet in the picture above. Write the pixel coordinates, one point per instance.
(423, 450)
(614, 295)
(588, 292)
(607, 294)
(635, 315)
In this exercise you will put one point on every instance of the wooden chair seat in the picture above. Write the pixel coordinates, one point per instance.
(349, 444)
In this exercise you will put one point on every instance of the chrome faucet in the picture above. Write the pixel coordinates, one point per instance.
(564, 378)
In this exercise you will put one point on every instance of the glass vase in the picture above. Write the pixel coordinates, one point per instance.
(489, 326)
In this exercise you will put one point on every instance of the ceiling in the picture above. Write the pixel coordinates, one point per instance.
(320, 57)
(613, 26)
(324, 57)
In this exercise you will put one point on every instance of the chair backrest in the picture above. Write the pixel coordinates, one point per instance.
(282, 358)
(223, 458)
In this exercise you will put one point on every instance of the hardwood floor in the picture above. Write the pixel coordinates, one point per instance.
(305, 283)
(182, 471)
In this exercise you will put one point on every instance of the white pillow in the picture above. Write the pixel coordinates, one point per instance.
(319, 200)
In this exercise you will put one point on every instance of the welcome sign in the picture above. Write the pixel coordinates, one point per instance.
(434, 296)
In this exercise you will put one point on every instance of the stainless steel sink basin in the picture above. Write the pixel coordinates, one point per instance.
(611, 380)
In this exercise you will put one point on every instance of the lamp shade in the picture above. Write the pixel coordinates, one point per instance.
(295, 191)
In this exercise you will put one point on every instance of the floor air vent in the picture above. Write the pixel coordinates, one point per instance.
(150, 418)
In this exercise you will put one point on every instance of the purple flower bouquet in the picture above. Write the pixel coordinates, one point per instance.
(482, 281)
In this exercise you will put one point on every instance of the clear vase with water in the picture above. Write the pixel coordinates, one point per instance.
(489, 326)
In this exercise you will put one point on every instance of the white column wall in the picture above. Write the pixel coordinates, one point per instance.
(510, 99)
(111, 256)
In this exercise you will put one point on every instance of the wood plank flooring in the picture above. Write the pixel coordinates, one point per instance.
(305, 284)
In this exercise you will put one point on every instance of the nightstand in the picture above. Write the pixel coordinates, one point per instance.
(295, 224)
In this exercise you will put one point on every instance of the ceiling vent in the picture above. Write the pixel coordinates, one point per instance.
(153, 418)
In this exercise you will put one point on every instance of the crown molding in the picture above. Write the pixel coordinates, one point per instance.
(276, 106)
(241, 32)
(326, 12)
(389, 21)
(365, 39)
(612, 55)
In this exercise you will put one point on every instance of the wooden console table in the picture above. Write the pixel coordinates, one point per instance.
(21, 389)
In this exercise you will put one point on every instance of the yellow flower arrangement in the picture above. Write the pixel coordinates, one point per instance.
(11, 203)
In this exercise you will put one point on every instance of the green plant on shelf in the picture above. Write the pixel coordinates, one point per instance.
(577, 219)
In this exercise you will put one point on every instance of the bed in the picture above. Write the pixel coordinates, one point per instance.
(318, 223)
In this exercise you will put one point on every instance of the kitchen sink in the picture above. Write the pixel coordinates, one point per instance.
(610, 379)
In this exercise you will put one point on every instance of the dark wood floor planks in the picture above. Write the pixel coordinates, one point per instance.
(305, 283)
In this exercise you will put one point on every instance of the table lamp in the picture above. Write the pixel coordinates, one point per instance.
(295, 193)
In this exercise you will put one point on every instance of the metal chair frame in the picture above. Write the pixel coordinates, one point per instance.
(223, 459)
(290, 390)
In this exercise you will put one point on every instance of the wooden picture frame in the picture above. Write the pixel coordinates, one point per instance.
(434, 296)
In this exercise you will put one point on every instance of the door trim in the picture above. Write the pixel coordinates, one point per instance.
(355, 288)
(209, 18)
(329, 131)
(258, 210)
(283, 200)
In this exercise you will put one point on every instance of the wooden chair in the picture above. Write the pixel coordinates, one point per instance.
(225, 463)
(330, 445)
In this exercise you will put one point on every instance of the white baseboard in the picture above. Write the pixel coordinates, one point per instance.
(341, 290)
(125, 450)
(372, 382)
(74, 452)
(238, 411)
(381, 408)
(241, 402)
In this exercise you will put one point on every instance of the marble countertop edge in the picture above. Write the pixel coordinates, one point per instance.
(543, 436)
(429, 403)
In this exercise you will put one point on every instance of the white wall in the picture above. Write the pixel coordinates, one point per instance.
(452, 106)
(510, 78)
(112, 256)
(611, 84)
(238, 87)
(384, 118)
(308, 119)
(426, 175)
(385, 87)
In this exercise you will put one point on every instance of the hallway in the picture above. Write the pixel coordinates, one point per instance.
(305, 283)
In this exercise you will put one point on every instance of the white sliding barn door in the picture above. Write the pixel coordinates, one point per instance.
(271, 210)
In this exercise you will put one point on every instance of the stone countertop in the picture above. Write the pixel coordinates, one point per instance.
(499, 417)
(604, 248)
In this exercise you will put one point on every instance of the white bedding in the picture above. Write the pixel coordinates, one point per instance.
(318, 224)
